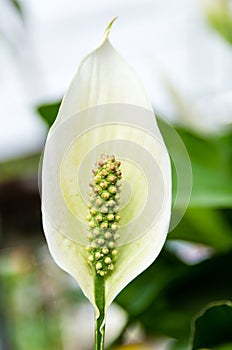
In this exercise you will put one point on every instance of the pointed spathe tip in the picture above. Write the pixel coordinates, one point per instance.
(108, 28)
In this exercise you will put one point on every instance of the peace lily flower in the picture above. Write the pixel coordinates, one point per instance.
(106, 181)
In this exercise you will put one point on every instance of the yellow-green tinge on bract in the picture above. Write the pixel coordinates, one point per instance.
(104, 78)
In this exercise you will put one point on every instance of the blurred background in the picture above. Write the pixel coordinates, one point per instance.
(182, 52)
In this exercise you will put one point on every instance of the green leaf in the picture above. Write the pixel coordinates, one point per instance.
(213, 327)
(167, 295)
(211, 165)
(206, 226)
(151, 283)
(48, 112)
(210, 158)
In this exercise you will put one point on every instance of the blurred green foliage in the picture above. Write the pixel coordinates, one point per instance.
(19, 167)
(17, 6)
(211, 160)
(219, 15)
(30, 322)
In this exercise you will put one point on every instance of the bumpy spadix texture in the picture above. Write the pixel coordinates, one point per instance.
(107, 86)
(103, 215)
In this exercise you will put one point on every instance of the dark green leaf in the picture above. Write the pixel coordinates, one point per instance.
(168, 294)
(48, 112)
(213, 327)
(140, 293)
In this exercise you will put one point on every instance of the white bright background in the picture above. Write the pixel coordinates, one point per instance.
(166, 41)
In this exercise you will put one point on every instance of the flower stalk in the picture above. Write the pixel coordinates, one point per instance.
(100, 312)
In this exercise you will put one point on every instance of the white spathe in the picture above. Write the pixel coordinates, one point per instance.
(103, 78)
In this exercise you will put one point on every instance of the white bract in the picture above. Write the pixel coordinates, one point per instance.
(105, 109)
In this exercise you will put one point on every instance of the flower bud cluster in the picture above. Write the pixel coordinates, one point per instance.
(103, 214)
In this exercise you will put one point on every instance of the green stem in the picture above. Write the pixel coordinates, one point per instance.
(99, 292)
